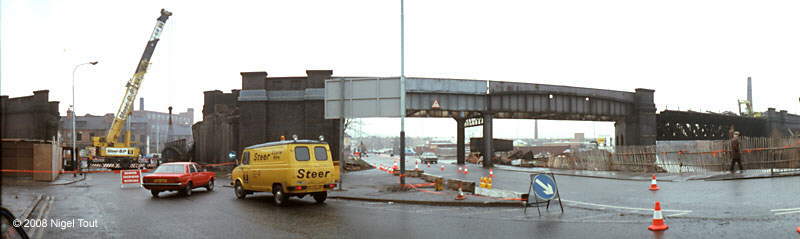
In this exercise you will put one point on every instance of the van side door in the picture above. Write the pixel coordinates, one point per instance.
(274, 167)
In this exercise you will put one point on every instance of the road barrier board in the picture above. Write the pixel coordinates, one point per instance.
(130, 177)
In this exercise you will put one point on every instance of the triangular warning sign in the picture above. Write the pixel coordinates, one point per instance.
(435, 104)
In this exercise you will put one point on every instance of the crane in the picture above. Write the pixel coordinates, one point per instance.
(109, 148)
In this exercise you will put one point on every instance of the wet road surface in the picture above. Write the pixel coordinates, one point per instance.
(218, 214)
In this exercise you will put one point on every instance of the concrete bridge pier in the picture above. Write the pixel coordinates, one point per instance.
(639, 127)
(487, 140)
(460, 148)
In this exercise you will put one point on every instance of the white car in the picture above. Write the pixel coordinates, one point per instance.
(429, 157)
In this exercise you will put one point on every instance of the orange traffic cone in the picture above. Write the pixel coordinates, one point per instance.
(658, 219)
(654, 184)
(460, 195)
(491, 173)
(429, 164)
(442, 168)
(466, 171)
(460, 169)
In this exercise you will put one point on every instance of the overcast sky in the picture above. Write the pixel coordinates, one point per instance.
(695, 54)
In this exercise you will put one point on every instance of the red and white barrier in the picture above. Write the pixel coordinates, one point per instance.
(130, 177)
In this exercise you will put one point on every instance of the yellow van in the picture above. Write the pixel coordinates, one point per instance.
(286, 168)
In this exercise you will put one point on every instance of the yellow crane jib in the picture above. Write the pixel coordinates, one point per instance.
(109, 146)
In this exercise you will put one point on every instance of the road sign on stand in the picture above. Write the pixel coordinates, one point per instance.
(130, 177)
(544, 190)
(544, 187)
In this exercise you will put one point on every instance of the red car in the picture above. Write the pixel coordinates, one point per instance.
(181, 176)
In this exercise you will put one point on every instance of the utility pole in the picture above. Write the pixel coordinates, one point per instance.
(342, 125)
(74, 116)
(158, 136)
(402, 97)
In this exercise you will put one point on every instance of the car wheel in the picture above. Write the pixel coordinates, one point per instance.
(210, 186)
(320, 197)
(154, 193)
(278, 196)
(187, 191)
(239, 190)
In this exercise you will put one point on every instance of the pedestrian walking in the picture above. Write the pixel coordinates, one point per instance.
(736, 153)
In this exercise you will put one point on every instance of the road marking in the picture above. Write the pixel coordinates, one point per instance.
(487, 211)
(42, 214)
(785, 209)
(602, 206)
(594, 216)
(677, 214)
(789, 212)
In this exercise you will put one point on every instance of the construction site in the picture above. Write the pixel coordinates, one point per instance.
(319, 155)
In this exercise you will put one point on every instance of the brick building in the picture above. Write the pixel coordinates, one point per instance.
(262, 111)
(147, 126)
(29, 117)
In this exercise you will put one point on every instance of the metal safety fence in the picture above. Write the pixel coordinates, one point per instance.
(768, 155)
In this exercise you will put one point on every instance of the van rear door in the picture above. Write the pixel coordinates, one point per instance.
(313, 164)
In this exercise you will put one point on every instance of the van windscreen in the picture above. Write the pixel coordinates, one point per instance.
(301, 153)
(320, 153)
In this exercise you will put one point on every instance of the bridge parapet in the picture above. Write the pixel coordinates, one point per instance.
(501, 87)
(634, 112)
(447, 86)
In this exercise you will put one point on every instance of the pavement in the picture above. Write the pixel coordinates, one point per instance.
(378, 186)
(61, 179)
(682, 195)
(371, 206)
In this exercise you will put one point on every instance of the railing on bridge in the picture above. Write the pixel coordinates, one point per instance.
(767, 155)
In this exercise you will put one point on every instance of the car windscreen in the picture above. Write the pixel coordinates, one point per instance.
(171, 168)
(301, 153)
(320, 153)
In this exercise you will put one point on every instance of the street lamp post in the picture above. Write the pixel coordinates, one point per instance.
(74, 116)
(402, 96)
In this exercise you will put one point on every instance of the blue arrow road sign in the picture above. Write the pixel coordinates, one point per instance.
(544, 187)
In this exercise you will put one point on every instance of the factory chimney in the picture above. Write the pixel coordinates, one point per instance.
(750, 91)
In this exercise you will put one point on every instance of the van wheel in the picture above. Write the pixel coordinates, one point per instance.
(154, 193)
(278, 196)
(320, 197)
(239, 191)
